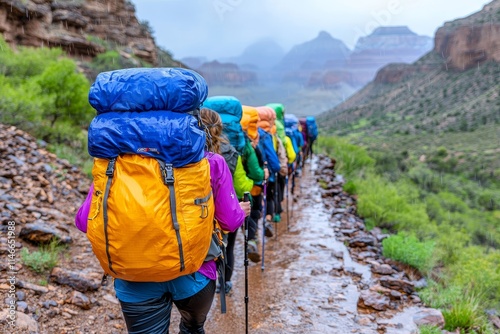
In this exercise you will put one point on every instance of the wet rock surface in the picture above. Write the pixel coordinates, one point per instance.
(323, 272)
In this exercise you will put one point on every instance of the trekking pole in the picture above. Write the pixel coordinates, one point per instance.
(246, 198)
(277, 203)
(264, 224)
(287, 215)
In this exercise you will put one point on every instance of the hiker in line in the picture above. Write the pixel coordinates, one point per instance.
(273, 148)
(312, 134)
(249, 123)
(147, 305)
(230, 111)
(305, 147)
(289, 151)
(292, 131)
(192, 294)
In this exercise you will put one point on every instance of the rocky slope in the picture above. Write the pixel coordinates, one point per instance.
(81, 28)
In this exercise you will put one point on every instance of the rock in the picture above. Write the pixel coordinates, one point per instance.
(366, 255)
(47, 304)
(79, 299)
(110, 299)
(66, 315)
(362, 240)
(365, 320)
(24, 323)
(373, 300)
(430, 317)
(397, 284)
(42, 233)
(80, 281)
(33, 287)
(22, 307)
(383, 269)
(20, 295)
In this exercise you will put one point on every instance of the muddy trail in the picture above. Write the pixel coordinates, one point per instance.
(310, 283)
(323, 273)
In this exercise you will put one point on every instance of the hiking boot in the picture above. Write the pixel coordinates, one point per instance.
(217, 287)
(253, 253)
(268, 229)
(229, 286)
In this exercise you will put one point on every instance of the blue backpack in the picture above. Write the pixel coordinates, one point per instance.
(230, 110)
(312, 128)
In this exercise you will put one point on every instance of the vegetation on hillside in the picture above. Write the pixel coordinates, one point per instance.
(44, 94)
(444, 224)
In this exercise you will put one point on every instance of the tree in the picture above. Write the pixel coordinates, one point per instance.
(68, 91)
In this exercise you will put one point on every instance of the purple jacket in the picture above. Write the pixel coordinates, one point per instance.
(227, 208)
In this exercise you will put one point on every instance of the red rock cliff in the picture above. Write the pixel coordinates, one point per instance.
(79, 27)
(467, 42)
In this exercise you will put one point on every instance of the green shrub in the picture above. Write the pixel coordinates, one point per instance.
(429, 330)
(68, 90)
(408, 249)
(479, 271)
(466, 314)
(461, 307)
(42, 260)
(350, 187)
(392, 206)
(350, 159)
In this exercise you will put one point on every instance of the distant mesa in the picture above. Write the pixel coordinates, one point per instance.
(323, 67)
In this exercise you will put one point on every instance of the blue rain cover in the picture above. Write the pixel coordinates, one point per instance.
(148, 89)
(228, 107)
(230, 110)
(291, 121)
(172, 137)
(312, 127)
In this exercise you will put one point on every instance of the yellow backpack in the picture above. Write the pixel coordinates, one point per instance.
(149, 221)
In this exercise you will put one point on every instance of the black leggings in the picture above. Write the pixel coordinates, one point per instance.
(153, 316)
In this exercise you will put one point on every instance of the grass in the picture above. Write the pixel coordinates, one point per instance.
(408, 249)
(429, 330)
(43, 259)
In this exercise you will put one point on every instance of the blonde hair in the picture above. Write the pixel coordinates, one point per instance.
(213, 129)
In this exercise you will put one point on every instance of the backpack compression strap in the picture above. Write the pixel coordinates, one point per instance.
(167, 172)
(109, 173)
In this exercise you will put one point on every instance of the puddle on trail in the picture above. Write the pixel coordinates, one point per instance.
(298, 292)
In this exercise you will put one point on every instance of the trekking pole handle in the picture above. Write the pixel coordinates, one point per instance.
(246, 197)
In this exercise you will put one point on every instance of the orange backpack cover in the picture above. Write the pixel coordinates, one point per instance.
(267, 118)
(249, 121)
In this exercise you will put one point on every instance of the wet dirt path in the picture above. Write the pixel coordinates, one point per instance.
(296, 292)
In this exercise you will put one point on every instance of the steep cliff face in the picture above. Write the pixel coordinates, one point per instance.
(80, 27)
(467, 42)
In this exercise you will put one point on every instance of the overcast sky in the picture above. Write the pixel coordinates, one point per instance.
(223, 28)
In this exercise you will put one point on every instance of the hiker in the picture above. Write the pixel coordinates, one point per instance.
(286, 142)
(312, 134)
(147, 302)
(291, 129)
(249, 123)
(273, 148)
(305, 147)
